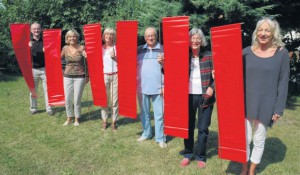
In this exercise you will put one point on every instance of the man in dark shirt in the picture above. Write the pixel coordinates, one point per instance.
(38, 67)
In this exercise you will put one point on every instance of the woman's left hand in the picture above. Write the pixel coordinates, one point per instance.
(209, 91)
(84, 54)
(275, 117)
(112, 54)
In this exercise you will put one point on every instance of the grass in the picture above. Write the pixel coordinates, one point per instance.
(39, 144)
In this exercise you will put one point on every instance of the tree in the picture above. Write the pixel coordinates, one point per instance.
(67, 14)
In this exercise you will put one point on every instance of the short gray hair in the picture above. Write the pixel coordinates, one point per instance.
(198, 31)
(275, 30)
(153, 28)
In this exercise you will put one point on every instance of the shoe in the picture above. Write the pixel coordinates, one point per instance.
(50, 113)
(162, 144)
(141, 139)
(104, 125)
(114, 127)
(67, 123)
(201, 164)
(76, 123)
(185, 162)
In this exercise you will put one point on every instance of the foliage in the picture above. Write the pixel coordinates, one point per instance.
(66, 14)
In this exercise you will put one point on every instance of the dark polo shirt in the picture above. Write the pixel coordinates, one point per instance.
(38, 58)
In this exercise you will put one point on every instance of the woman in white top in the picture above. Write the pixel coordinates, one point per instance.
(110, 71)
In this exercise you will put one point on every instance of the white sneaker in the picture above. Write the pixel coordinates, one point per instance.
(162, 144)
(141, 139)
(76, 123)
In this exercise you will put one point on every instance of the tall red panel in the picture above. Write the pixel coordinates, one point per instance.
(93, 48)
(176, 53)
(20, 35)
(127, 62)
(55, 86)
(228, 65)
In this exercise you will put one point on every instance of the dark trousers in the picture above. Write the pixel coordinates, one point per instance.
(204, 120)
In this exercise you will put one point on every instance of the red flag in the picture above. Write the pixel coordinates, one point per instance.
(20, 35)
(228, 66)
(55, 86)
(176, 53)
(93, 47)
(127, 62)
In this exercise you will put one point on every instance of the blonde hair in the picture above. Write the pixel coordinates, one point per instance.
(195, 31)
(109, 31)
(71, 32)
(275, 31)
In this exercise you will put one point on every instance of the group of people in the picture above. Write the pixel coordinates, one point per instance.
(266, 76)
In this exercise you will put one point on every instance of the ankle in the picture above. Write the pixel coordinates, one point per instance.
(245, 168)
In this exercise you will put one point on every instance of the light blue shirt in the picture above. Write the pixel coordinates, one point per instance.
(149, 75)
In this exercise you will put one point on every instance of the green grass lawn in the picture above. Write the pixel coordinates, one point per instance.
(39, 144)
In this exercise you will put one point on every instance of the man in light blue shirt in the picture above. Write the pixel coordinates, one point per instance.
(150, 86)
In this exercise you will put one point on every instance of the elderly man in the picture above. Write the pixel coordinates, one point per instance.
(150, 86)
(38, 67)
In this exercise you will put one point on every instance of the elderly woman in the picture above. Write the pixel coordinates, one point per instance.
(201, 98)
(110, 71)
(75, 75)
(266, 71)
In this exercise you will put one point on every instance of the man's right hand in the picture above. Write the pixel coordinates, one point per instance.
(160, 59)
(30, 43)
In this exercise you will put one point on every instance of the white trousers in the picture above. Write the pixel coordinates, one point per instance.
(38, 74)
(259, 138)
(73, 87)
(111, 85)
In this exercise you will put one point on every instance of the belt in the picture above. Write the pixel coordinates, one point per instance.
(111, 73)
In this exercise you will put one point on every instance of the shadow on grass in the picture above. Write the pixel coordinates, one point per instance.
(6, 78)
(96, 115)
(292, 103)
(211, 146)
(275, 151)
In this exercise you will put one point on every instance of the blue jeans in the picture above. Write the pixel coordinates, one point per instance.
(157, 102)
(204, 120)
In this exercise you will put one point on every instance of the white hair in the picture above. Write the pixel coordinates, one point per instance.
(198, 31)
(275, 30)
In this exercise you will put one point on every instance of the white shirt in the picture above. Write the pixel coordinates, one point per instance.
(195, 86)
(109, 65)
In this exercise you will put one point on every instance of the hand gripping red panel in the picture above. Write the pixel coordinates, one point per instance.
(20, 35)
(55, 86)
(127, 62)
(228, 65)
(176, 53)
(93, 47)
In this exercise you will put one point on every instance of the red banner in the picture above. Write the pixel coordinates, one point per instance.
(127, 62)
(176, 75)
(55, 86)
(20, 35)
(228, 65)
(93, 48)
